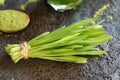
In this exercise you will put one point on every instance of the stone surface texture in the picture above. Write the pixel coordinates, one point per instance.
(44, 18)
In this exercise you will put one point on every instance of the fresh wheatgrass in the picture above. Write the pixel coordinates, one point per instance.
(67, 44)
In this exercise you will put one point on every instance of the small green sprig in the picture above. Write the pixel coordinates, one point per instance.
(101, 10)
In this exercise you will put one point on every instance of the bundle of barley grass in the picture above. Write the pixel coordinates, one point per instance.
(65, 44)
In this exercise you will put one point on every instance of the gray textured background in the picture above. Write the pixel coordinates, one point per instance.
(44, 18)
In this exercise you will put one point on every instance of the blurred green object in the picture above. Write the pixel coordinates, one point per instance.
(23, 6)
(63, 5)
(2, 2)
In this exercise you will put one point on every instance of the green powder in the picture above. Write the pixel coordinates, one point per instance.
(13, 20)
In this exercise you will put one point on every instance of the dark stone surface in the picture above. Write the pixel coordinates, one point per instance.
(44, 18)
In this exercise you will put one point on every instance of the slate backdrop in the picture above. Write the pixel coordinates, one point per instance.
(44, 18)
